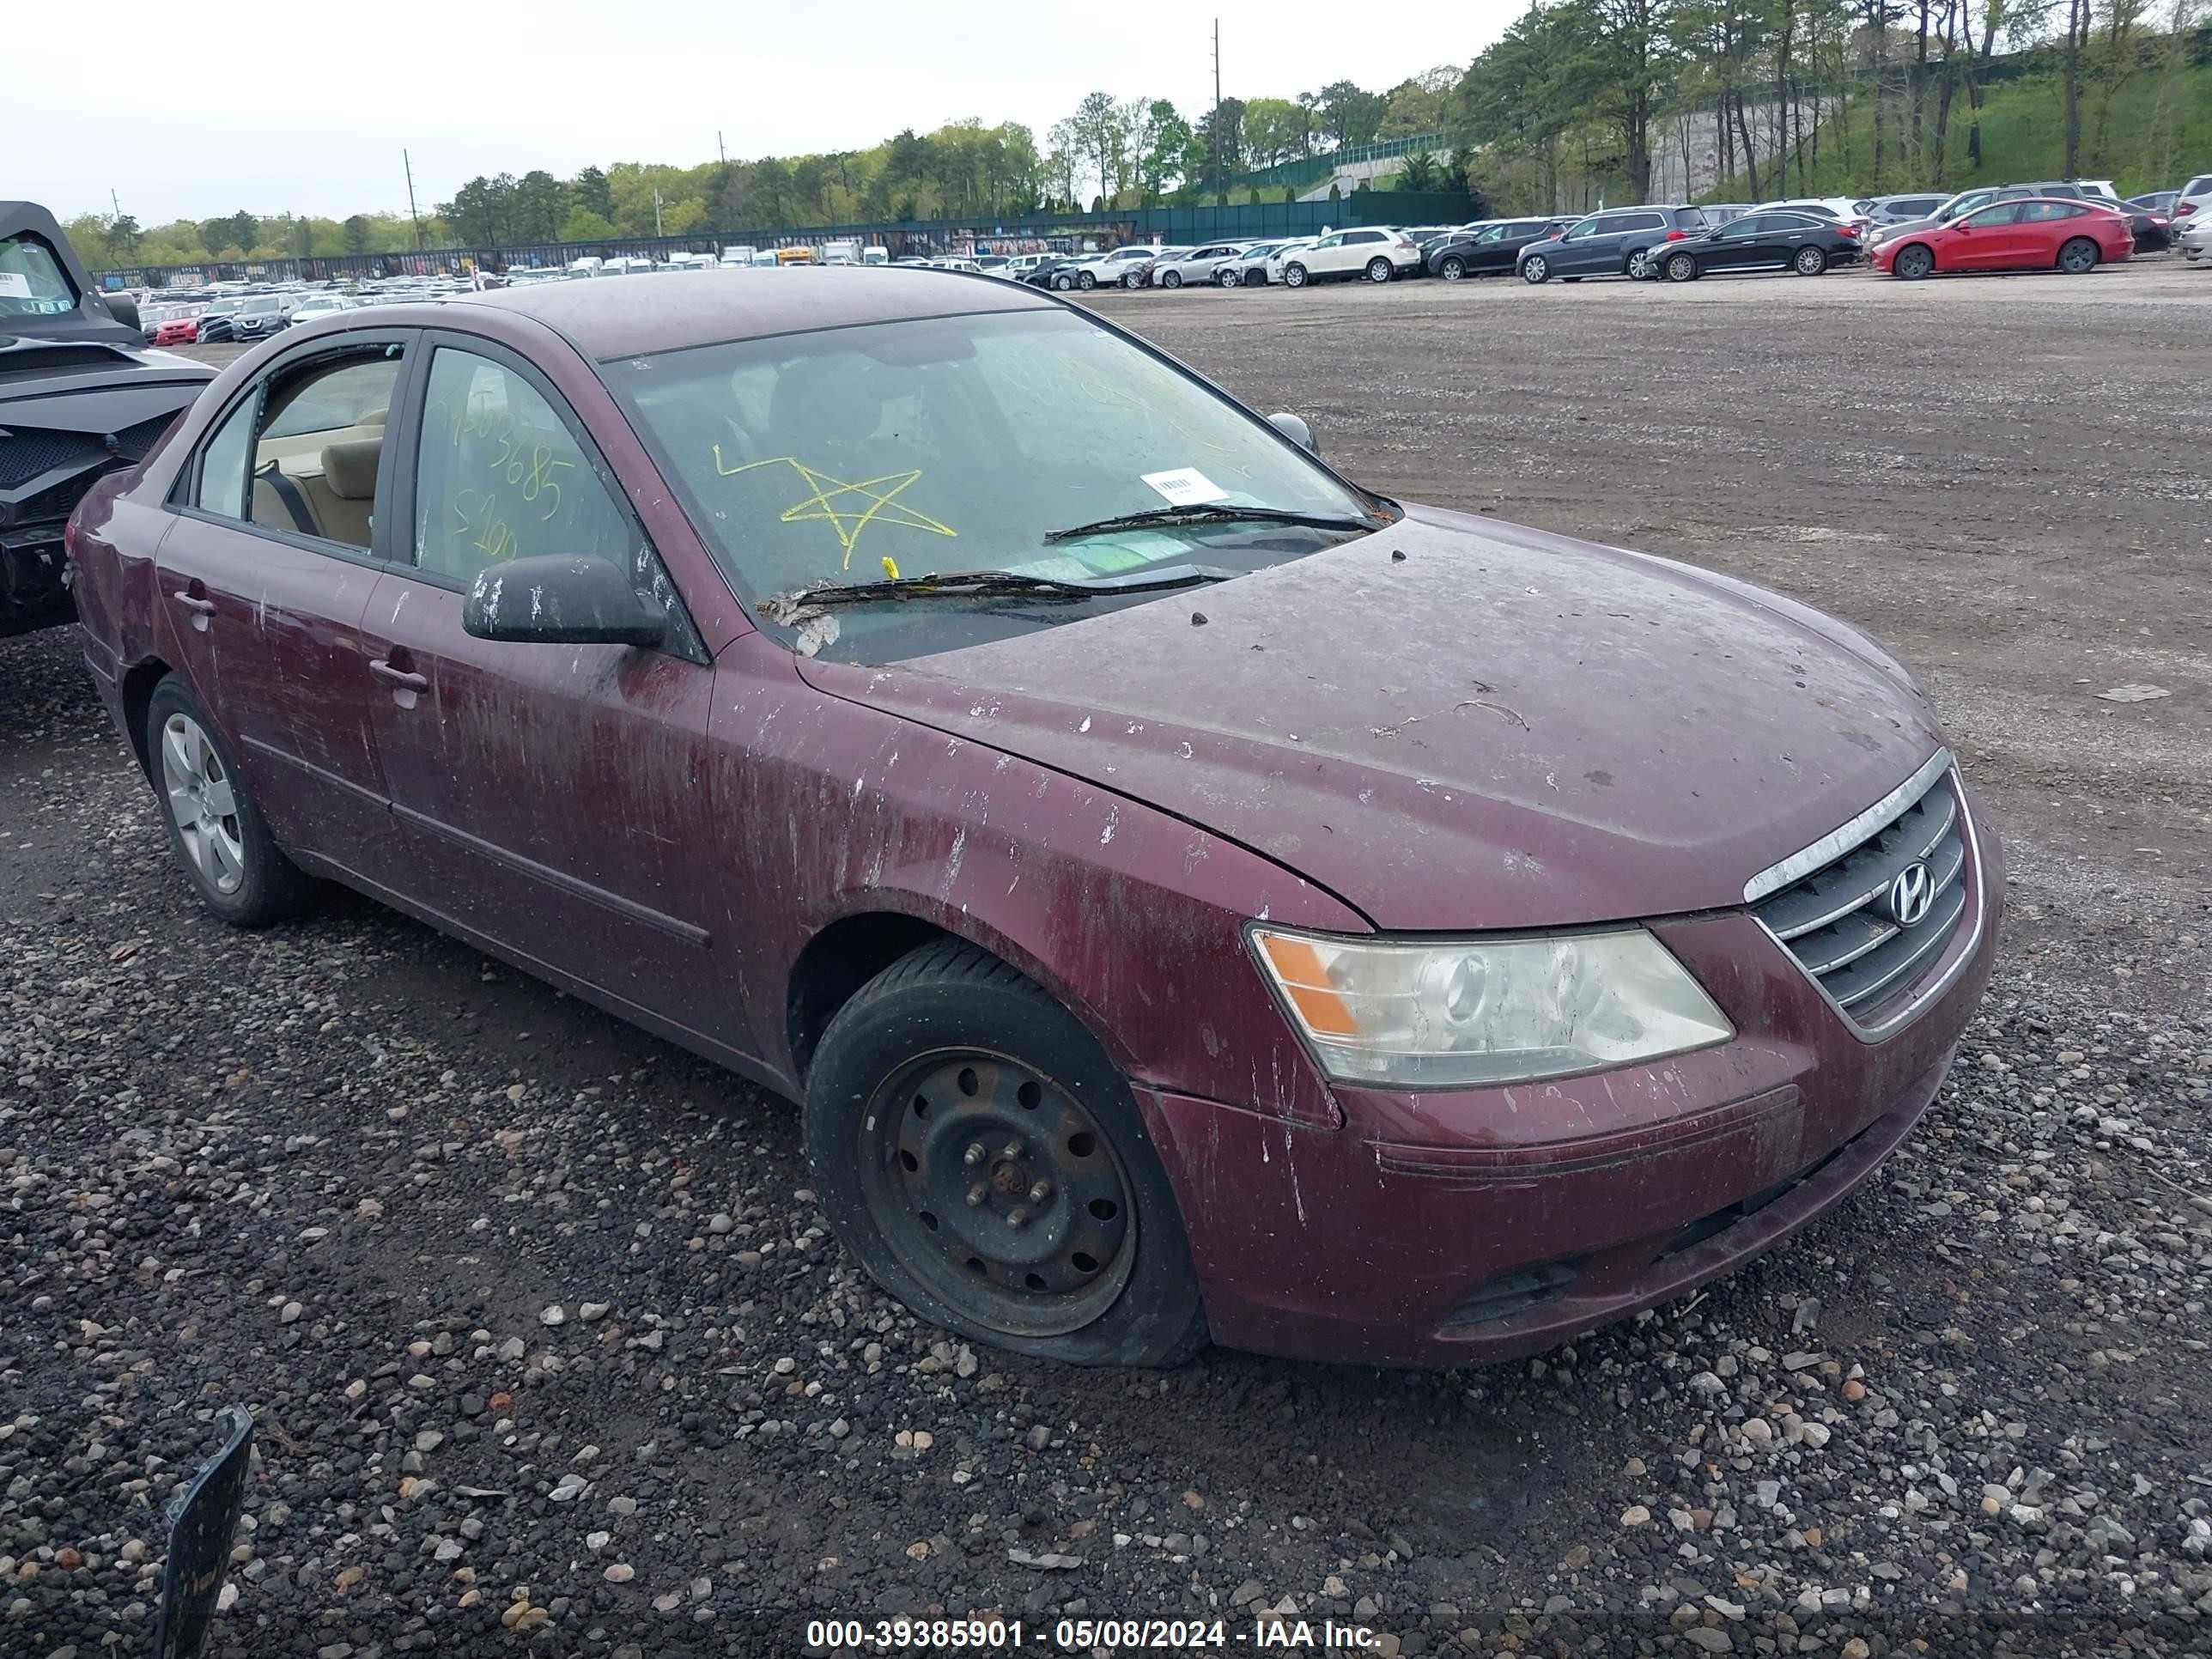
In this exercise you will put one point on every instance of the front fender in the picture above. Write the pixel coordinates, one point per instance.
(1132, 918)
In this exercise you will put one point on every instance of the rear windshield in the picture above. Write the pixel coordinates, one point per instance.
(32, 280)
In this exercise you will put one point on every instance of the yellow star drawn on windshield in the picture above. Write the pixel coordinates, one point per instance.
(883, 505)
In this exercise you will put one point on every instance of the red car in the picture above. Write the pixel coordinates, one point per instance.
(178, 331)
(2033, 234)
(1171, 924)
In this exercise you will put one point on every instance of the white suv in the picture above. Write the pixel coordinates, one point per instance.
(2195, 200)
(1377, 255)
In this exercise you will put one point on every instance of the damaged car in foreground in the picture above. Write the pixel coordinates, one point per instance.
(1189, 894)
(80, 396)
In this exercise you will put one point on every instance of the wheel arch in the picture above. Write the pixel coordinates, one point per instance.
(138, 683)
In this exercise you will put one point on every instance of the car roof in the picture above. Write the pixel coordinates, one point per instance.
(615, 319)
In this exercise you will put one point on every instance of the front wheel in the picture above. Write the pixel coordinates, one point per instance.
(1913, 262)
(2078, 256)
(1681, 268)
(1135, 279)
(1171, 279)
(215, 830)
(1225, 277)
(980, 1155)
(1810, 262)
(1063, 283)
(1085, 281)
(1294, 276)
(1452, 270)
(1378, 270)
(1535, 269)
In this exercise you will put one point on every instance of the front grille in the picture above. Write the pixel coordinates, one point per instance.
(1839, 921)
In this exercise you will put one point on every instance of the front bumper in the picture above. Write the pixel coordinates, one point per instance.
(1453, 1228)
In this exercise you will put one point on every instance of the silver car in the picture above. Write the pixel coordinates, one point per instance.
(1198, 264)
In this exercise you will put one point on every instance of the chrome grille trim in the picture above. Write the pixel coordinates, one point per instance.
(1846, 836)
(1858, 956)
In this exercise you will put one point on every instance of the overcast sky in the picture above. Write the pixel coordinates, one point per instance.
(305, 109)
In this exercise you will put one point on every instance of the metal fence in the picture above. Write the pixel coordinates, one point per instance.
(1250, 221)
(1312, 169)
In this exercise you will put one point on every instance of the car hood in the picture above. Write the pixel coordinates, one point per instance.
(1455, 724)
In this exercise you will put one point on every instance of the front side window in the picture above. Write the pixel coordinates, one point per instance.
(1328, 242)
(1587, 229)
(32, 280)
(499, 475)
(2006, 213)
(962, 444)
(1742, 229)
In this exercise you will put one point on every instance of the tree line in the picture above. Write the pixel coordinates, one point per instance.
(1574, 103)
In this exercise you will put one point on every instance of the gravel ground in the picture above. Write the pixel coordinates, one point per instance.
(550, 1354)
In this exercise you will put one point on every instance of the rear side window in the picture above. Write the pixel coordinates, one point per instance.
(1690, 219)
(2200, 185)
(1364, 236)
(223, 464)
(2042, 212)
(1639, 221)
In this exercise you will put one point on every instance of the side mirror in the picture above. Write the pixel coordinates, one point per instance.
(1296, 430)
(1960, 226)
(559, 600)
(122, 308)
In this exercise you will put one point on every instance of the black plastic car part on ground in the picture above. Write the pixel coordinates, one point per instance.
(202, 1523)
(1774, 241)
(80, 396)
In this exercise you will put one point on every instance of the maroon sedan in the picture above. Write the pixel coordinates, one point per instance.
(1190, 893)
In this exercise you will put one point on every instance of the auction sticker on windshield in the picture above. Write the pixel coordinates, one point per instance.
(1186, 486)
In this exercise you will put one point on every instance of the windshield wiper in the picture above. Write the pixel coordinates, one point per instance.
(1210, 513)
(987, 585)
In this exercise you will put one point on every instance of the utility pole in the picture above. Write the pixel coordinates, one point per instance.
(1214, 127)
(115, 200)
(408, 161)
(656, 209)
(722, 185)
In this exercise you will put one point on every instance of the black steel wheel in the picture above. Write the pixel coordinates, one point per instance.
(980, 1155)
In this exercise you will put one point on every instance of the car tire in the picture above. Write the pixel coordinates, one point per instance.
(2079, 256)
(1133, 280)
(1451, 270)
(1294, 276)
(1171, 279)
(942, 1099)
(1063, 282)
(1085, 281)
(1536, 269)
(1808, 262)
(1380, 270)
(1912, 262)
(228, 855)
(1681, 268)
(1224, 277)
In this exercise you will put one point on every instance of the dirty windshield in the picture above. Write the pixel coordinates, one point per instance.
(962, 444)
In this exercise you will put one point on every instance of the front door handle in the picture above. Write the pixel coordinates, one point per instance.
(398, 676)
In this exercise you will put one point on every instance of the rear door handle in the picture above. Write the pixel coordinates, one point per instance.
(399, 677)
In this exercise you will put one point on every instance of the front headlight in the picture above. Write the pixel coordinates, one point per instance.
(1470, 1013)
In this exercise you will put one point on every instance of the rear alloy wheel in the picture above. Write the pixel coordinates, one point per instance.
(1681, 268)
(1535, 269)
(1810, 262)
(1171, 279)
(1451, 270)
(979, 1153)
(1914, 262)
(214, 828)
(2078, 256)
(1379, 270)
(1294, 276)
